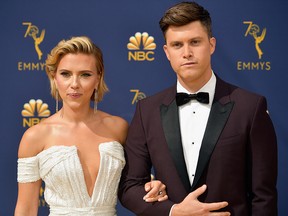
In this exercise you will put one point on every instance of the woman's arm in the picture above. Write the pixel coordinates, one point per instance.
(29, 182)
(28, 199)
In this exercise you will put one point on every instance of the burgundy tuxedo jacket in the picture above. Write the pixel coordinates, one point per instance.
(237, 160)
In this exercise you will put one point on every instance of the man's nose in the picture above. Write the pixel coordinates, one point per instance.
(187, 53)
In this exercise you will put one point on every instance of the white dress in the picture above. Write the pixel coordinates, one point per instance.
(65, 189)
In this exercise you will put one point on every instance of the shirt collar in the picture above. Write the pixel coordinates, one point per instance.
(208, 87)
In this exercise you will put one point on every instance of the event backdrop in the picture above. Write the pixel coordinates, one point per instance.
(251, 52)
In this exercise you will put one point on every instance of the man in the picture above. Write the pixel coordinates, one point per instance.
(216, 151)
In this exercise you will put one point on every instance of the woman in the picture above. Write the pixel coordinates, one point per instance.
(77, 151)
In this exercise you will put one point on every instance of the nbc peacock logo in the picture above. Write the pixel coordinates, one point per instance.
(34, 111)
(141, 47)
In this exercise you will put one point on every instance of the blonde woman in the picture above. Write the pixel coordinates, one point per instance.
(78, 151)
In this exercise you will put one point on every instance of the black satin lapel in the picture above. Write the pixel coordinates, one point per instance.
(171, 127)
(218, 117)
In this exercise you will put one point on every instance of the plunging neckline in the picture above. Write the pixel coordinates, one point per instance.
(65, 191)
(74, 147)
(82, 171)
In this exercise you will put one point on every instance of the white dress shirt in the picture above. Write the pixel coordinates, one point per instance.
(193, 117)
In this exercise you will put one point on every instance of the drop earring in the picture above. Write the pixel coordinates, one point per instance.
(57, 101)
(95, 100)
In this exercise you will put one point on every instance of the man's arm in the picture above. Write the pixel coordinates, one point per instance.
(263, 163)
(137, 172)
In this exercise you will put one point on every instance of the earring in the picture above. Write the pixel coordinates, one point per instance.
(57, 100)
(95, 100)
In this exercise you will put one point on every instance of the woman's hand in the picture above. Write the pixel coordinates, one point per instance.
(155, 191)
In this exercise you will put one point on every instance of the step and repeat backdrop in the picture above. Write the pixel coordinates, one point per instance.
(251, 52)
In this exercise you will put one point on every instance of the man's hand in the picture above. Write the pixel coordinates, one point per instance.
(191, 206)
(156, 191)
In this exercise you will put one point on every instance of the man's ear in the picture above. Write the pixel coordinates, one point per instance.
(212, 45)
(166, 52)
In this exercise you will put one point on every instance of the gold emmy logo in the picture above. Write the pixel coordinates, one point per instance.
(258, 36)
(135, 43)
(30, 110)
(138, 95)
(33, 32)
(254, 30)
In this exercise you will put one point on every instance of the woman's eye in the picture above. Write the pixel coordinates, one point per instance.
(86, 75)
(65, 74)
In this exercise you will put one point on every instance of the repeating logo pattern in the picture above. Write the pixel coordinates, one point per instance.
(33, 32)
(254, 31)
(140, 42)
(147, 42)
(34, 111)
(138, 95)
(258, 36)
(33, 106)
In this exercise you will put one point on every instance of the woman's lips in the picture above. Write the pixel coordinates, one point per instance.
(74, 95)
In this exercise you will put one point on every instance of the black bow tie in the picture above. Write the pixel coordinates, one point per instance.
(183, 98)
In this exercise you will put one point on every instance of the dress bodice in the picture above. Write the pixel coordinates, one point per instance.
(65, 188)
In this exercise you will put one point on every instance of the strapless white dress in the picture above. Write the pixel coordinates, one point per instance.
(65, 189)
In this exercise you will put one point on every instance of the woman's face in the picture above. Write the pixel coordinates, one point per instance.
(76, 79)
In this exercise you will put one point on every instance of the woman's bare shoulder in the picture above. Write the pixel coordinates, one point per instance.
(33, 139)
(117, 125)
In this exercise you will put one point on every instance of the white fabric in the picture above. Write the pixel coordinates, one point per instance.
(65, 189)
(28, 170)
(193, 118)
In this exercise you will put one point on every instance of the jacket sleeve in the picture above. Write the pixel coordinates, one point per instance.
(137, 172)
(263, 166)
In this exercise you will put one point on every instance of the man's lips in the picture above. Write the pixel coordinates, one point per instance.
(189, 63)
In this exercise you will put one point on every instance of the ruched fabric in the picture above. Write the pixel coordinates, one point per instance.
(65, 189)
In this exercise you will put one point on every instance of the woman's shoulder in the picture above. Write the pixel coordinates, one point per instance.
(116, 124)
(112, 119)
(33, 139)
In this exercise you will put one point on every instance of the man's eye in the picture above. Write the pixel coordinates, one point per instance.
(176, 45)
(195, 42)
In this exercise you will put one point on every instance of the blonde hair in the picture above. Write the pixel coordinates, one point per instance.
(76, 45)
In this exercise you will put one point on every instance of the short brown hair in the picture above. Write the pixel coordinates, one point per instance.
(183, 13)
(75, 45)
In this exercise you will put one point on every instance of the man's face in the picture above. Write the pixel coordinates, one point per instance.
(189, 50)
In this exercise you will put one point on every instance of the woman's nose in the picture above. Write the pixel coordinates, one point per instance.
(75, 82)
